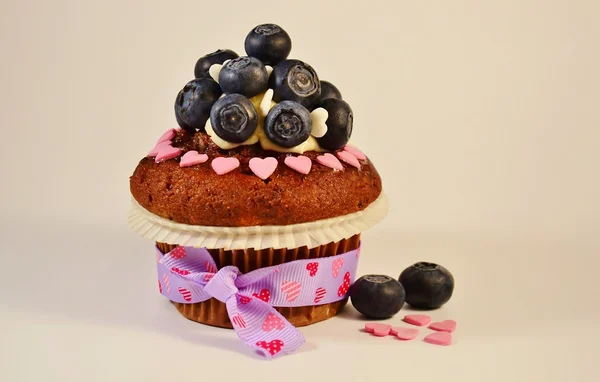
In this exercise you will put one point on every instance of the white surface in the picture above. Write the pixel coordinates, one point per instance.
(482, 119)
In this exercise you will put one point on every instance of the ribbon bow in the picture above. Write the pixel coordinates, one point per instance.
(189, 275)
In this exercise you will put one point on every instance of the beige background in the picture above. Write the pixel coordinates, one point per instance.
(482, 117)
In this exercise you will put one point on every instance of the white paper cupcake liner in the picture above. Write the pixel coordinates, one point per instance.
(311, 235)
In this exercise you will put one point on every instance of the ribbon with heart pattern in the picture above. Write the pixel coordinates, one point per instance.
(189, 275)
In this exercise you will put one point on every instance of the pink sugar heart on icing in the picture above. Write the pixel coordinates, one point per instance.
(300, 163)
(444, 326)
(379, 330)
(356, 152)
(167, 152)
(192, 158)
(167, 136)
(349, 158)
(417, 319)
(157, 147)
(330, 161)
(263, 168)
(223, 165)
(405, 334)
(439, 338)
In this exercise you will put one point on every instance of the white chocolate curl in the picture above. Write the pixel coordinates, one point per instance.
(265, 104)
(319, 117)
(214, 71)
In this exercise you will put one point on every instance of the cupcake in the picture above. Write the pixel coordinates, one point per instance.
(256, 201)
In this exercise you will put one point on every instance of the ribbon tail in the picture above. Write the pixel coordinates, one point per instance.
(261, 327)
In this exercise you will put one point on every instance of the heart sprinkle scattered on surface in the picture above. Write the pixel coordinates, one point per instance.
(444, 326)
(439, 338)
(405, 334)
(417, 319)
(379, 330)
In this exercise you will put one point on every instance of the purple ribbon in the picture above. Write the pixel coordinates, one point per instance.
(189, 275)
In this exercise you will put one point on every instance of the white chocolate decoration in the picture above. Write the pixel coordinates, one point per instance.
(214, 71)
(223, 143)
(319, 117)
(265, 104)
(310, 144)
(269, 70)
(259, 135)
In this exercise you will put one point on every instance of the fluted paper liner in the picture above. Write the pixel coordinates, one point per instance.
(213, 312)
(310, 235)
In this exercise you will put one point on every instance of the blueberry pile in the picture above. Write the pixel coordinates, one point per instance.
(297, 90)
(422, 285)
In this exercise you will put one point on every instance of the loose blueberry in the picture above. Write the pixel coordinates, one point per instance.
(218, 57)
(339, 124)
(427, 285)
(269, 43)
(244, 75)
(193, 103)
(288, 124)
(294, 80)
(234, 118)
(328, 90)
(377, 296)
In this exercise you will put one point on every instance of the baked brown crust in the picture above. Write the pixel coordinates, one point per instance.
(196, 195)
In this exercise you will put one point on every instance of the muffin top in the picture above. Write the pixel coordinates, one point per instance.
(261, 141)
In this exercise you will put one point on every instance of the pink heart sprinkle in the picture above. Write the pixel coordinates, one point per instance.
(349, 158)
(379, 330)
(356, 152)
(167, 136)
(405, 334)
(157, 147)
(417, 319)
(167, 152)
(263, 168)
(439, 338)
(223, 165)
(330, 161)
(300, 163)
(192, 158)
(444, 326)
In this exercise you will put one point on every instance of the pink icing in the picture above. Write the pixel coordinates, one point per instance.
(330, 161)
(263, 168)
(356, 152)
(300, 163)
(192, 158)
(223, 165)
(349, 158)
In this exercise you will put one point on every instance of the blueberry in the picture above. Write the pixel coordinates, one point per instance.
(377, 296)
(339, 124)
(427, 285)
(294, 80)
(218, 57)
(288, 124)
(234, 118)
(328, 90)
(269, 43)
(193, 103)
(244, 75)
